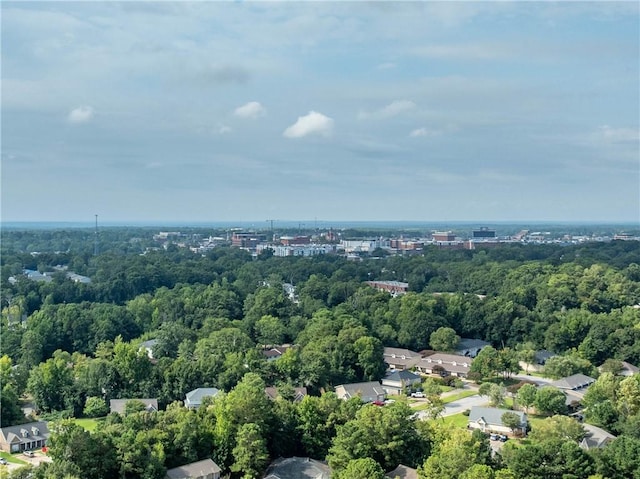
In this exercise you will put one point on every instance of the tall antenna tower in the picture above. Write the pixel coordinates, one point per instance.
(95, 239)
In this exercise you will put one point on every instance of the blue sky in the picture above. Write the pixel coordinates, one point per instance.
(429, 111)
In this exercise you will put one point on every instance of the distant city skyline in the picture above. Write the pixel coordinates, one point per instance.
(204, 112)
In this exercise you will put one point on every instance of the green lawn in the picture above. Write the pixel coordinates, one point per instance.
(460, 395)
(12, 458)
(457, 420)
(89, 424)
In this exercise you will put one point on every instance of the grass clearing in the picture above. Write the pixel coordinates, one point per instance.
(12, 458)
(460, 395)
(89, 424)
(456, 420)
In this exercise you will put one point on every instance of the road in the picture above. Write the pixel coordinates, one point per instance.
(463, 404)
(536, 379)
(455, 407)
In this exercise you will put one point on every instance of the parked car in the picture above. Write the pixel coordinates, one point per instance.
(3, 461)
(29, 453)
(494, 437)
(417, 394)
(503, 438)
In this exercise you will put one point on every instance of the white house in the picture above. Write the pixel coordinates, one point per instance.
(194, 398)
(489, 419)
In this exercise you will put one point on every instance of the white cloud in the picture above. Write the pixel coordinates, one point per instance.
(418, 132)
(312, 123)
(386, 66)
(616, 135)
(392, 109)
(252, 110)
(224, 129)
(464, 51)
(82, 114)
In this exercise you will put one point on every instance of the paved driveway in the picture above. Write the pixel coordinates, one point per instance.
(463, 404)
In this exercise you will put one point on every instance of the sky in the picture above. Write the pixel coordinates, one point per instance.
(406, 111)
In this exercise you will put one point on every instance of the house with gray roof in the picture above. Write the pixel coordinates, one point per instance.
(399, 380)
(119, 405)
(574, 382)
(205, 469)
(297, 468)
(148, 346)
(445, 365)
(194, 398)
(24, 437)
(470, 347)
(402, 472)
(595, 437)
(298, 393)
(489, 419)
(399, 358)
(368, 392)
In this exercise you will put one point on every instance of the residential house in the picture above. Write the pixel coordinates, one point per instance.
(275, 352)
(629, 369)
(367, 392)
(574, 387)
(489, 419)
(23, 437)
(574, 382)
(119, 405)
(395, 288)
(297, 468)
(194, 398)
(595, 437)
(206, 469)
(148, 346)
(470, 347)
(445, 365)
(402, 472)
(398, 358)
(396, 381)
(298, 393)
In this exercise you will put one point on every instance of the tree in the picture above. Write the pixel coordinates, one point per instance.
(562, 366)
(365, 468)
(457, 452)
(250, 453)
(387, 435)
(620, 459)
(629, 396)
(557, 427)
(51, 384)
(494, 392)
(478, 471)
(270, 330)
(95, 407)
(444, 339)
(526, 396)
(553, 459)
(70, 443)
(511, 420)
(435, 406)
(508, 362)
(370, 359)
(550, 400)
(486, 363)
(526, 354)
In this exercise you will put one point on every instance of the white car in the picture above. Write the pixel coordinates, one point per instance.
(417, 394)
